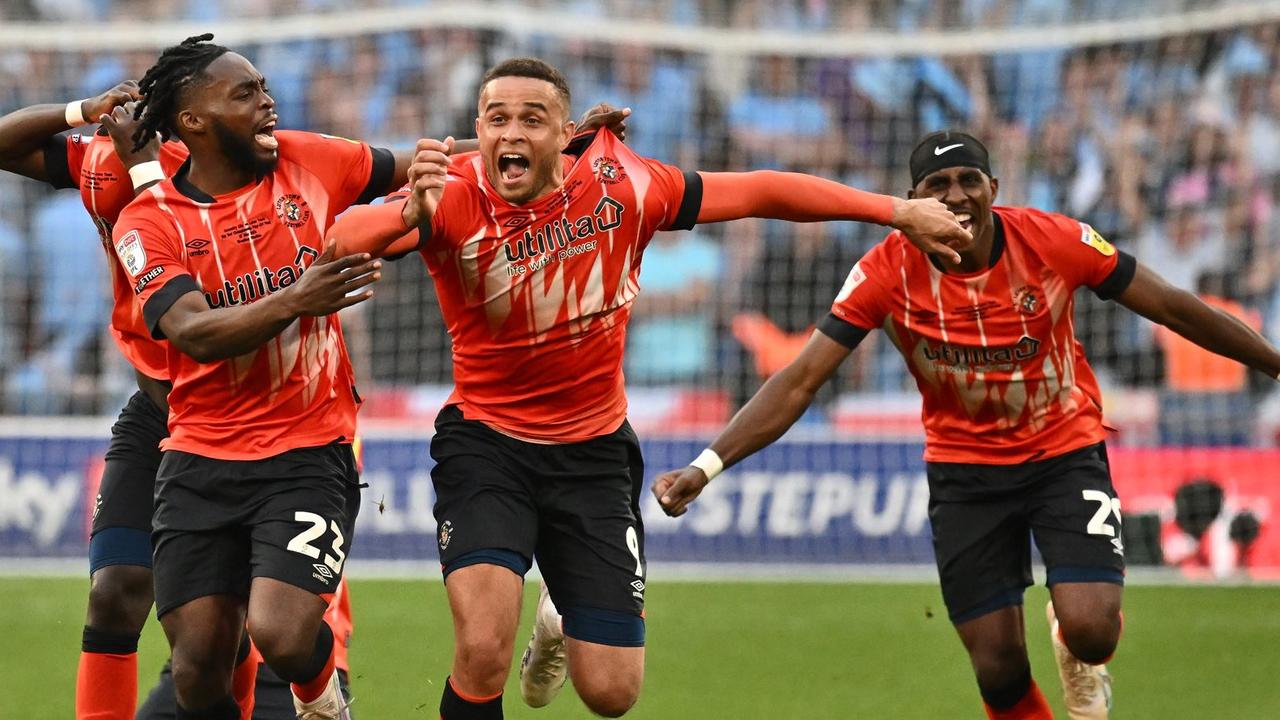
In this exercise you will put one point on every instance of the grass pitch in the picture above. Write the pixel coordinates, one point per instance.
(740, 650)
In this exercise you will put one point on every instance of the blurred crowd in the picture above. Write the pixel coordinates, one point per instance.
(1169, 147)
(772, 14)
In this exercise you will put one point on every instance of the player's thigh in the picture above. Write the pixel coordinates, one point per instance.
(983, 550)
(192, 564)
(485, 511)
(1075, 517)
(485, 601)
(204, 634)
(299, 526)
(121, 524)
(591, 541)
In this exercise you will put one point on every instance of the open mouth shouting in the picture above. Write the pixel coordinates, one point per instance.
(265, 135)
(512, 168)
(965, 218)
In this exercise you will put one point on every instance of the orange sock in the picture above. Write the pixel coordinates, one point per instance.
(245, 677)
(107, 677)
(1032, 706)
(315, 687)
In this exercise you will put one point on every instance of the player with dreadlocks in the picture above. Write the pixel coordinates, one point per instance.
(257, 487)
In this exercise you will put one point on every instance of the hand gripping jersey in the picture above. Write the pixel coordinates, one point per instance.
(297, 389)
(90, 163)
(536, 297)
(994, 353)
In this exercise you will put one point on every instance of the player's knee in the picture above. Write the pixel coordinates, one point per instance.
(608, 696)
(1091, 639)
(282, 644)
(120, 598)
(998, 665)
(484, 658)
(608, 688)
(200, 678)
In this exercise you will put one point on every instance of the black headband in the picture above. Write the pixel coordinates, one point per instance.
(947, 149)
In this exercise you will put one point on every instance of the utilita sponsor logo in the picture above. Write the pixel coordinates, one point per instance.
(559, 234)
(258, 284)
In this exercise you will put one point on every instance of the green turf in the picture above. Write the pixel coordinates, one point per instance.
(743, 651)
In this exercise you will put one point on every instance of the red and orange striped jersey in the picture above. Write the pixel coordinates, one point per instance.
(90, 163)
(994, 353)
(297, 389)
(536, 297)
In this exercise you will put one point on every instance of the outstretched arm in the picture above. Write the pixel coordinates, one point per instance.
(24, 133)
(805, 198)
(397, 227)
(1181, 311)
(775, 407)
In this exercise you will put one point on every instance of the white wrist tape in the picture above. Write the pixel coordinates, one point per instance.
(75, 114)
(709, 463)
(146, 172)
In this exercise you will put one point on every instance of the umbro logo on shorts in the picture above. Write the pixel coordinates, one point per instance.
(322, 573)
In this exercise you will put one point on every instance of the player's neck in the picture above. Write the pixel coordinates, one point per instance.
(979, 258)
(216, 174)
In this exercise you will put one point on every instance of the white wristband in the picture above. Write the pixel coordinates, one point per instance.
(75, 114)
(709, 463)
(146, 172)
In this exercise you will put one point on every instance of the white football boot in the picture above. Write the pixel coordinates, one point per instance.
(329, 706)
(1086, 689)
(544, 668)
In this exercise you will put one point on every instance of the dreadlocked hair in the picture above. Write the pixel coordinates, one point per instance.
(164, 83)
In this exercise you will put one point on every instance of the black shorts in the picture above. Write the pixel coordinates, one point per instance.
(984, 515)
(121, 528)
(574, 507)
(220, 523)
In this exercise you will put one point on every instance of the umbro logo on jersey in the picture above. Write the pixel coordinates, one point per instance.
(517, 221)
(197, 247)
(939, 150)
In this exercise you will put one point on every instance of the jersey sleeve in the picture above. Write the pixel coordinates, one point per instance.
(458, 215)
(1087, 259)
(151, 254)
(64, 157)
(863, 301)
(353, 173)
(678, 195)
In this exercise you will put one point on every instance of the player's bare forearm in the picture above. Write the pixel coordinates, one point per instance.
(209, 335)
(1213, 329)
(23, 134)
(781, 400)
(378, 230)
(404, 159)
(328, 285)
(788, 196)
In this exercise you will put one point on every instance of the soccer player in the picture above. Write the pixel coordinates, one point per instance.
(101, 166)
(535, 258)
(256, 485)
(1012, 416)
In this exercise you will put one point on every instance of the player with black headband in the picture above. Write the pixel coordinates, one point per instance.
(1012, 414)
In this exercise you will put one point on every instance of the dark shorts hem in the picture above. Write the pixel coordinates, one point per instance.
(509, 559)
(119, 546)
(604, 627)
(1084, 575)
(1008, 598)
